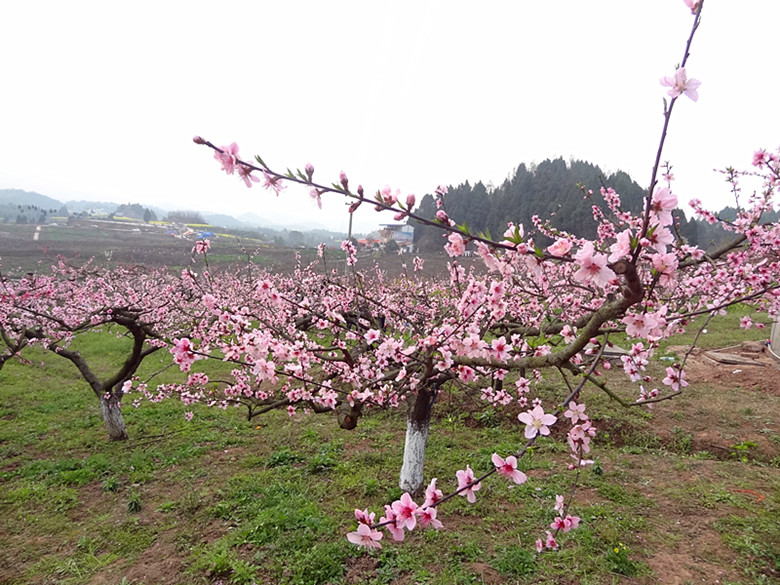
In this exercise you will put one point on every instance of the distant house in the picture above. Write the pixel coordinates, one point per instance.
(402, 234)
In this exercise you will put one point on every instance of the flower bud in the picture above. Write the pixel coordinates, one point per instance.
(198, 140)
(309, 170)
(441, 215)
(360, 190)
(344, 181)
(410, 200)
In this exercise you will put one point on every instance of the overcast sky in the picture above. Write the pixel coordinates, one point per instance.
(100, 100)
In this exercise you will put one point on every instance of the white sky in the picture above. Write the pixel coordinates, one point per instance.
(100, 100)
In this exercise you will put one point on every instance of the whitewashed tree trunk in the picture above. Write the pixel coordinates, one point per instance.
(418, 423)
(412, 479)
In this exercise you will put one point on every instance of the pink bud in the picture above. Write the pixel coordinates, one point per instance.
(344, 180)
(198, 140)
(360, 190)
(441, 215)
(354, 206)
(309, 170)
(410, 200)
(399, 216)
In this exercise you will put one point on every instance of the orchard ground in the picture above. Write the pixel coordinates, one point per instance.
(685, 493)
(132, 242)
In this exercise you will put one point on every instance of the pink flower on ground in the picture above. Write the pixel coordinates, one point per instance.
(680, 84)
(432, 495)
(365, 536)
(536, 422)
(508, 468)
(427, 517)
(466, 478)
(188, 416)
(405, 512)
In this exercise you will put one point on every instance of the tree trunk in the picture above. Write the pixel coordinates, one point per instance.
(111, 409)
(417, 425)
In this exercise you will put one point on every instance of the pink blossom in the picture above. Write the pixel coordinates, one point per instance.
(559, 504)
(228, 157)
(273, 183)
(316, 194)
(536, 422)
(245, 172)
(390, 522)
(364, 536)
(405, 512)
(746, 322)
(575, 413)
(364, 517)
(693, 5)
(188, 416)
(675, 378)
(593, 266)
(432, 495)
(561, 247)
(457, 246)
(410, 201)
(201, 247)
(427, 517)
(371, 336)
(465, 480)
(550, 542)
(760, 157)
(680, 84)
(309, 168)
(508, 468)
(441, 190)
(664, 201)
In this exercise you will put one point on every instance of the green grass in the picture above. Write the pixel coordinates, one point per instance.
(271, 500)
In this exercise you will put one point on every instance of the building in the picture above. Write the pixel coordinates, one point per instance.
(402, 234)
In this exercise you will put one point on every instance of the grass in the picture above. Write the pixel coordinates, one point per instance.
(271, 501)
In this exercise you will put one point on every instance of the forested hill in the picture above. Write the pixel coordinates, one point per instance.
(549, 190)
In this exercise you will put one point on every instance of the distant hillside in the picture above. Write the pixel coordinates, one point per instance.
(19, 197)
(550, 190)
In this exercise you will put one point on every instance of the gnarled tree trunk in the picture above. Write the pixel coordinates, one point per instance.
(111, 409)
